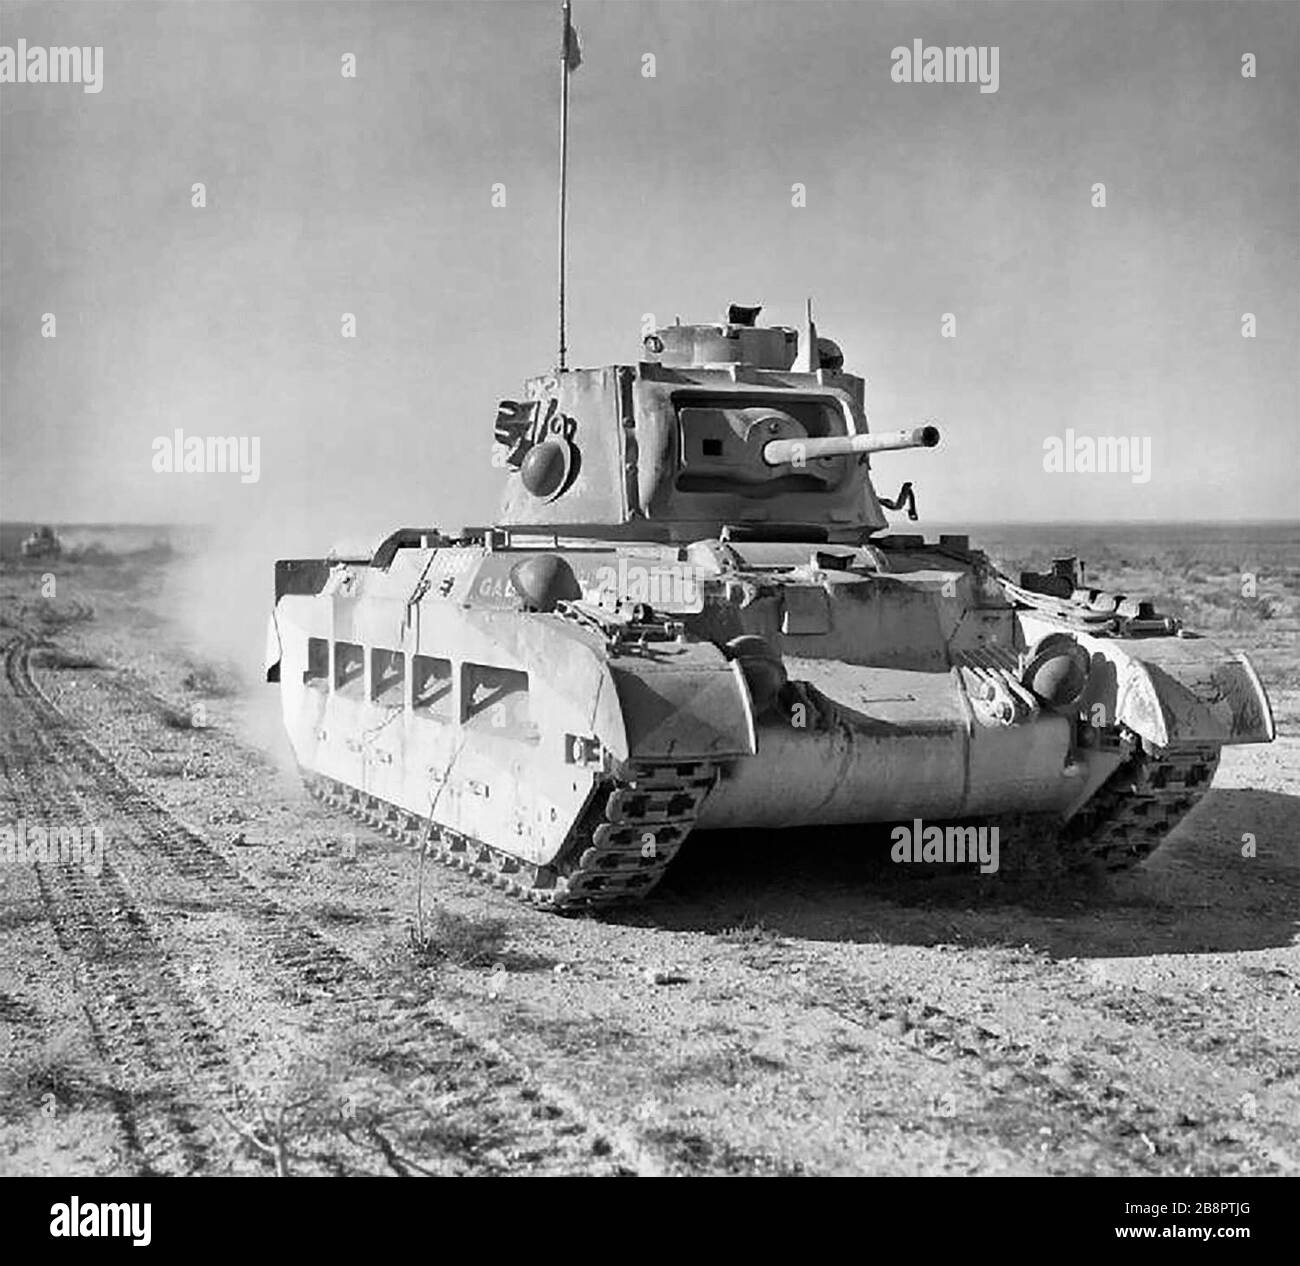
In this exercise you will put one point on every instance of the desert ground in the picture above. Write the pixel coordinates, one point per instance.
(238, 987)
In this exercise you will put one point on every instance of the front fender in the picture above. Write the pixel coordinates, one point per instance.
(693, 707)
(1172, 690)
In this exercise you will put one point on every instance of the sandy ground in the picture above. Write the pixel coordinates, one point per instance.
(235, 990)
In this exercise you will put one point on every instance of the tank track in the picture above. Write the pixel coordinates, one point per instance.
(1138, 806)
(618, 852)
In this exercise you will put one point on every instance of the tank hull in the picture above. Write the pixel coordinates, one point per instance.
(430, 692)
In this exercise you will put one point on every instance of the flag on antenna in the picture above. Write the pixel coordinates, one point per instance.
(572, 49)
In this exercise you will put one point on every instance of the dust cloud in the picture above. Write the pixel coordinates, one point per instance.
(215, 596)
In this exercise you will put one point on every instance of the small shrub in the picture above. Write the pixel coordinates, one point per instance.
(204, 679)
(749, 932)
(28, 1084)
(53, 614)
(447, 937)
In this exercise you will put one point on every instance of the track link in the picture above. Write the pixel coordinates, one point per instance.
(1139, 805)
(618, 852)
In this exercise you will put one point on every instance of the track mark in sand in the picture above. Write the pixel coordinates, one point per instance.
(165, 1063)
(1087, 1111)
(103, 926)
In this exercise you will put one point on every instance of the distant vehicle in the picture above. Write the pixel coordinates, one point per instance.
(43, 543)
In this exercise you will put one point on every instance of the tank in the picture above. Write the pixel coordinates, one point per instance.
(42, 543)
(691, 614)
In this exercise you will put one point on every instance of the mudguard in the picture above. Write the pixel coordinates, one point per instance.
(697, 710)
(1173, 690)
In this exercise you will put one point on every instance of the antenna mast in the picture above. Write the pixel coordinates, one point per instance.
(570, 59)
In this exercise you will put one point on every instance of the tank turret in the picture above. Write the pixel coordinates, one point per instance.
(720, 425)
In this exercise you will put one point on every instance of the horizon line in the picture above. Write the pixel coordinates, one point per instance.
(919, 524)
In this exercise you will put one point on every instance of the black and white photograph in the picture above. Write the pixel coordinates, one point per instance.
(650, 588)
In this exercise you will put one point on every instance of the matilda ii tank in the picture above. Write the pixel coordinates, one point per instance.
(691, 614)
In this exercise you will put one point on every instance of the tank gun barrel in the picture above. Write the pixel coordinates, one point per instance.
(780, 452)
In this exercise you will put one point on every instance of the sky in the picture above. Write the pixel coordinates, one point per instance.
(373, 195)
